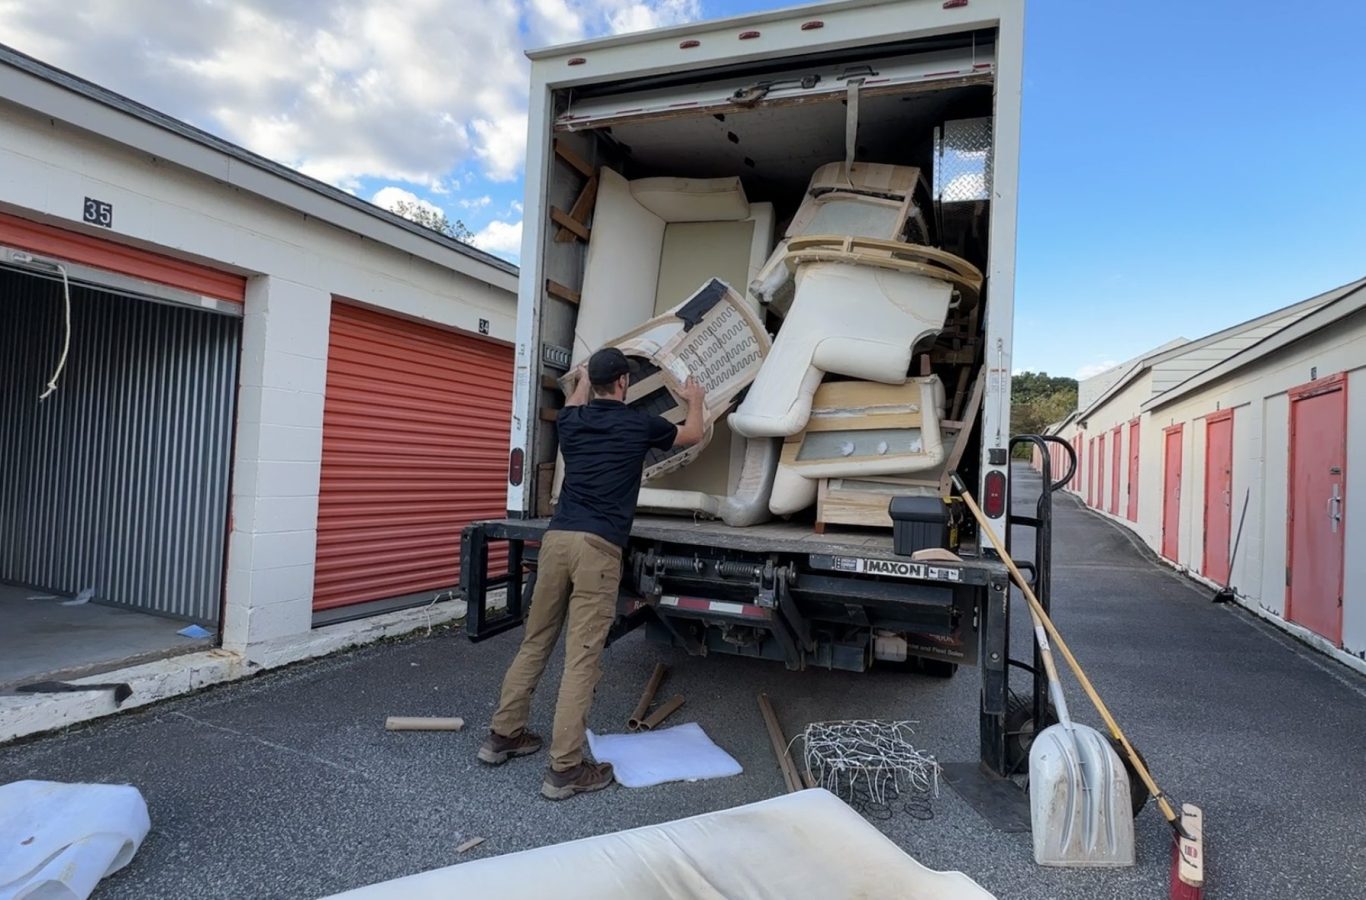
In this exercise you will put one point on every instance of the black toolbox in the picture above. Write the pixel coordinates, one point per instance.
(918, 523)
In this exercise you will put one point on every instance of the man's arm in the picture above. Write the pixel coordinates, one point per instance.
(579, 396)
(692, 429)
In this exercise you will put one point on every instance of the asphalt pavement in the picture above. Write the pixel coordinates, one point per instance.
(287, 785)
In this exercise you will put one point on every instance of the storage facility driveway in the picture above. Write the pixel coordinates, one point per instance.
(287, 785)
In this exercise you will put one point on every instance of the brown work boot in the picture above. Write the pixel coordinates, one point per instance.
(498, 749)
(581, 779)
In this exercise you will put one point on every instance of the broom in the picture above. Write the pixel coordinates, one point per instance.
(1225, 594)
(1187, 870)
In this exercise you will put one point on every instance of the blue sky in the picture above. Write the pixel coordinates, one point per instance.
(1185, 165)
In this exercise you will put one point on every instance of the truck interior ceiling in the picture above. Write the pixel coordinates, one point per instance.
(774, 149)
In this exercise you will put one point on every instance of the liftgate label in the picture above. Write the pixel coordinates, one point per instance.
(896, 568)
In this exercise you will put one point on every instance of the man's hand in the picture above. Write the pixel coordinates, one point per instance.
(692, 430)
(578, 395)
(693, 392)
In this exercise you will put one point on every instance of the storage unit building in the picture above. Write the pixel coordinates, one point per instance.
(1258, 416)
(1276, 429)
(276, 399)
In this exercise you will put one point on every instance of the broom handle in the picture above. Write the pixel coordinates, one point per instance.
(1036, 609)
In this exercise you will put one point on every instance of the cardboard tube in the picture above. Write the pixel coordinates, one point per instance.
(637, 717)
(662, 713)
(422, 723)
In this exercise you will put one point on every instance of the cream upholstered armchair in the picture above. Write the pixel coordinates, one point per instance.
(657, 244)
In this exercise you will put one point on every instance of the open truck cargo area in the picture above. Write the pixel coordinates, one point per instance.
(811, 212)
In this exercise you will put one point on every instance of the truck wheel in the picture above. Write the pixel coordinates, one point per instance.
(1021, 728)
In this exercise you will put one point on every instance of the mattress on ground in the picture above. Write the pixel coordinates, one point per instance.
(807, 844)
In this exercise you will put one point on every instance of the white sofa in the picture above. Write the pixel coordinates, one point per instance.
(856, 298)
(654, 242)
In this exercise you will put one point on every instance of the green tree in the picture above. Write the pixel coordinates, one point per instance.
(431, 218)
(1037, 401)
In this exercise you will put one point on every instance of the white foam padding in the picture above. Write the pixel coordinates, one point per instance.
(646, 758)
(57, 841)
(692, 199)
(853, 320)
(805, 844)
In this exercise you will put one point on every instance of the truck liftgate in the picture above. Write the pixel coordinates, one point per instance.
(780, 592)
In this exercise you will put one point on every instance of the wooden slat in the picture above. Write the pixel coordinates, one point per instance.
(969, 419)
(562, 219)
(567, 294)
(866, 422)
(563, 152)
(550, 382)
(859, 394)
(581, 209)
(838, 506)
(549, 415)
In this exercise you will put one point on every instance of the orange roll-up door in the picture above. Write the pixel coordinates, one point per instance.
(415, 445)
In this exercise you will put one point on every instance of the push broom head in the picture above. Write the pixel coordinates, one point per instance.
(1188, 856)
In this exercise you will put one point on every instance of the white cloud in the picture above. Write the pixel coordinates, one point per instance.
(477, 202)
(390, 196)
(344, 91)
(1090, 370)
(501, 238)
(642, 16)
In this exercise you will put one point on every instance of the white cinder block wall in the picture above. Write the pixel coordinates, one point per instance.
(296, 263)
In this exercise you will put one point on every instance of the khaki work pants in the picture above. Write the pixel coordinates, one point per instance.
(577, 578)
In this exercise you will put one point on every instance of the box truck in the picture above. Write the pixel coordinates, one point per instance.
(686, 166)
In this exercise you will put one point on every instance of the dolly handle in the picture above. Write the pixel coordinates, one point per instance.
(1040, 615)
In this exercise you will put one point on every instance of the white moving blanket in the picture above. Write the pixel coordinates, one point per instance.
(58, 840)
(803, 845)
(647, 758)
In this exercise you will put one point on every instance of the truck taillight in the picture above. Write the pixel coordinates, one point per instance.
(515, 466)
(994, 495)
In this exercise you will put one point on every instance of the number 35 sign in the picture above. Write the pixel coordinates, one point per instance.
(97, 212)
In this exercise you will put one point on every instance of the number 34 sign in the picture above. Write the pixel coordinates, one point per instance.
(97, 212)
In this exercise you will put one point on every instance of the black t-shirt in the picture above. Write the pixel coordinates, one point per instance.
(604, 445)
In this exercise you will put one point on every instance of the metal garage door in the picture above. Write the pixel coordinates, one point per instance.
(415, 445)
(119, 480)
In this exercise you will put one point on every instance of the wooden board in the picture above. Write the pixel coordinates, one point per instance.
(578, 162)
(960, 446)
(841, 506)
(582, 208)
(563, 219)
(545, 482)
(567, 294)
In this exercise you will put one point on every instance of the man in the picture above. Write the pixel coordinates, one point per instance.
(604, 444)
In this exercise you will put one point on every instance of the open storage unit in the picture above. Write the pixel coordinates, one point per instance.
(114, 487)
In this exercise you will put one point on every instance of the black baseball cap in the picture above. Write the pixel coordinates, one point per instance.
(607, 365)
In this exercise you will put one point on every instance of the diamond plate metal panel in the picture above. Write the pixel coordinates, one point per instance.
(962, 161)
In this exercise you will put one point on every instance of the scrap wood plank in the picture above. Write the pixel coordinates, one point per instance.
(969, 419)
(563, 151)
(775, 734)
(842, 506)
(563, 219)
(567, 294)
(581, 209)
